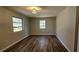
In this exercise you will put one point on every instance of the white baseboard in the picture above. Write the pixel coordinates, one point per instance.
(25, 37)
(63, 44)
(13, 44)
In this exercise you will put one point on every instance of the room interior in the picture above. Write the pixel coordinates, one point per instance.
(36, 25)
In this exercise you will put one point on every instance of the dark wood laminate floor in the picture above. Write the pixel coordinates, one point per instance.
(38, 44)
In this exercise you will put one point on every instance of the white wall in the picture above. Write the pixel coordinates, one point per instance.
(78, 40)
(78, 28)
(50, 26)
(7, 36)
(65, 27)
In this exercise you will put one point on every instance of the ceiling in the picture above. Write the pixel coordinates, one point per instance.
(47, 11)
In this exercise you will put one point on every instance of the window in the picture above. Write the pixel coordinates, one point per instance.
(42, 24)
(17, 24)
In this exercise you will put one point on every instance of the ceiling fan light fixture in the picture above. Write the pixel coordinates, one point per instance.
(34, 9)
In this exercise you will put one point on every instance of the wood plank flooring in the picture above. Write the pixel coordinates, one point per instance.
(38, 44)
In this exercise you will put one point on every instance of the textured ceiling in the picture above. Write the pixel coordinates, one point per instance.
(47, 11)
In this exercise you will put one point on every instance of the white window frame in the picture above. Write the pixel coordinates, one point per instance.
(42, 24)
(18, 21)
